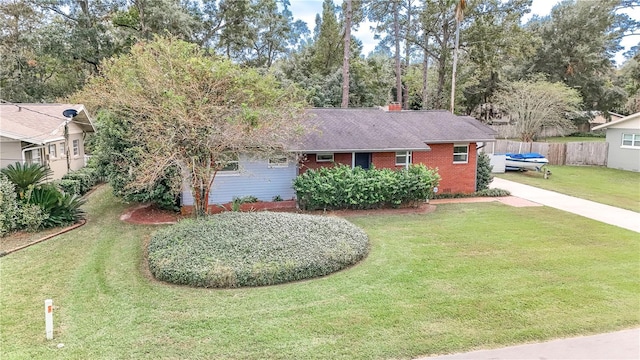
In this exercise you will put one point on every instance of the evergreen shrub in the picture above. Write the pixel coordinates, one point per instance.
(343, 187)
(483, 172)
(236, 249)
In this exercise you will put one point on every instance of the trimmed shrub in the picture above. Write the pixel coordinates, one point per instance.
(235, 249)
(9, 210)
(70, 186)
(481, 193)
(85, 178)
(342, 187)
(32, 217)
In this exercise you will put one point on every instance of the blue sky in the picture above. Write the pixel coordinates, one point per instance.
(306, 10)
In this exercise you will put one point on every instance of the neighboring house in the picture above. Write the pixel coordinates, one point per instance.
(623, 137)
(35, 133)
(362, 137)
(599, 119)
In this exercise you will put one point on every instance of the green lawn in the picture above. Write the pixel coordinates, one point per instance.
(607, 186)
(466, 276)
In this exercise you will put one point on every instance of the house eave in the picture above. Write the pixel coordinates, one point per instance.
(313, 151)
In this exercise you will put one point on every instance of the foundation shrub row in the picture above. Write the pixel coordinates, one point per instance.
(343, 187)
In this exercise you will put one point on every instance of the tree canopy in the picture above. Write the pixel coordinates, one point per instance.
(189, 111)
(51, 47)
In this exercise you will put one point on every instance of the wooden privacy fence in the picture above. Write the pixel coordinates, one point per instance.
(572, 153)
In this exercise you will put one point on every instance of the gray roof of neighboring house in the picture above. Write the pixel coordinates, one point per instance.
(633, 117)
(40, 123)
(374, 129)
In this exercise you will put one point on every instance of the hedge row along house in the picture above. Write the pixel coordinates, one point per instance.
(42, 134)
(365, 137)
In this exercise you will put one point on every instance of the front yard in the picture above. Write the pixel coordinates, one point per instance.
(466, 276)
(600, 184)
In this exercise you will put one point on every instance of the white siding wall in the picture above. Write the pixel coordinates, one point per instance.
(255, 178)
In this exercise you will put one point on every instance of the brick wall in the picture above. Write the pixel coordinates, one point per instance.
(455, 178)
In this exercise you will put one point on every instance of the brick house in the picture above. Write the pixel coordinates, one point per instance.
(363, 137)
(396, 139)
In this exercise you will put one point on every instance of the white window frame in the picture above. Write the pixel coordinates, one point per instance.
(52, 151)
(278, 162)
(635, 139)
(406, 155)
(36, 157)
(228, 170)
(459, 153)
(329, 157)
(61, 149)
(76, 147)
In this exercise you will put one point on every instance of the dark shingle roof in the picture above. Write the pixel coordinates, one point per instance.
(377, 130)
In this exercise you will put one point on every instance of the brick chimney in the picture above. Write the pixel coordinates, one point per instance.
(394, 106)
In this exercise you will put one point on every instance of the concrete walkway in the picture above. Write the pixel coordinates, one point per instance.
(626, 219)
(616, 345)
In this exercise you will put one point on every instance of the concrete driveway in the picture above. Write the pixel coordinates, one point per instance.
(626, 219)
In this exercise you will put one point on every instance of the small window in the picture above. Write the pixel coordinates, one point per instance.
(631, 140)
(61, 149)
(324, 157)
(231, 165)
(403, 158)
(278, 161)
(460, 154)
(52, 151)
(76, 147)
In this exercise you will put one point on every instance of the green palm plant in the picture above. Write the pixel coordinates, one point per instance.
(25, 175)
(62, 209)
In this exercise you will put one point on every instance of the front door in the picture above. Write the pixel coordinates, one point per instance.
(362, 159)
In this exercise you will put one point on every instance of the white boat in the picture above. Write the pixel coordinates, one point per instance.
(527, 161)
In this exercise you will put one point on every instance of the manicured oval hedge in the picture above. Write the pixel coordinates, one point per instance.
(237, 249)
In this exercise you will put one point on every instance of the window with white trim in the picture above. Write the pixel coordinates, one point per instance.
(231, 165)
(61, 149)
(35, 156)
(76, 147)
(52, 151)
(403, 158)
(460, 153)
(631, 140)
(324, 157)
(278, 162)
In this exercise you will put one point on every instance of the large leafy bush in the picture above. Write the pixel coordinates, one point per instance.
(342, 187)
(236, 249)
(117, 155)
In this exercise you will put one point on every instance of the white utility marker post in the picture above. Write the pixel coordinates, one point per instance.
(48, 318)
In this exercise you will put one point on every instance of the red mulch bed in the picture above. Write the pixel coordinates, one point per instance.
(150, 215)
